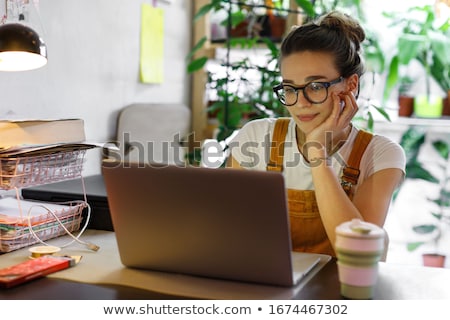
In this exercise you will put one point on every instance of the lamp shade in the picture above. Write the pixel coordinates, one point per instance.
(21, 48)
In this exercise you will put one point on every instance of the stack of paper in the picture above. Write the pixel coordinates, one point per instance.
(17, 217)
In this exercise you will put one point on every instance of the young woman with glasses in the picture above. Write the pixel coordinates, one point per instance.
(334, 172)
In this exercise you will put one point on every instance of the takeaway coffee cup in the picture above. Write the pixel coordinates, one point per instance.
(359, 248)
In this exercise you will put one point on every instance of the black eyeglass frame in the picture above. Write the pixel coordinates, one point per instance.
(326, 84)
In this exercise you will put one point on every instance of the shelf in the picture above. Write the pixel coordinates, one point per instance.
(441, 125)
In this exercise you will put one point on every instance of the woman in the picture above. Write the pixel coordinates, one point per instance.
(334, 172)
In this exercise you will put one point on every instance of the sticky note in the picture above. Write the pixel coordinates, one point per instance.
(152, 44)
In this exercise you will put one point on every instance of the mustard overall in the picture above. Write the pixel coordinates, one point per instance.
(307, 230)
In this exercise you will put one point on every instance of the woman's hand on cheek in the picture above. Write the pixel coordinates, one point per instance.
(343, 109)
(349, 109)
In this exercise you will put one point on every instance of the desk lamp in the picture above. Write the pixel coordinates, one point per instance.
(21, 48)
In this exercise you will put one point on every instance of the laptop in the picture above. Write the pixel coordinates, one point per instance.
(218, 223)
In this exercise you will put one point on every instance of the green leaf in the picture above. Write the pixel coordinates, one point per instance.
(370, 121)
(441, 202)
(445, 193)
(425, 228)
(197, 47)
(412, 141)
(197, 64)
(409, 46)
(232, 118)
(307, 7)
(203, 10)
(216, 106)
(382, 112)
(274, 51)
(437, 215)
(414, 245)
(442, 148)
(415, 170)
(243, 42)
(440, 73)
(236, 18)
(392, 77)
(440, 45)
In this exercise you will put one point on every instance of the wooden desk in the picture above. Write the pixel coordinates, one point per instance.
(424, 283)
(396, 282)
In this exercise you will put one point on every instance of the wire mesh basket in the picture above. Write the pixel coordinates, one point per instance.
(21, 223)
(26, 171)
(54, 220)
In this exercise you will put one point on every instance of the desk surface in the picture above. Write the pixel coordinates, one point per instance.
(324, 286)
(396, 282)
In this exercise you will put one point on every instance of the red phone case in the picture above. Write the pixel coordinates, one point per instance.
(32, 269)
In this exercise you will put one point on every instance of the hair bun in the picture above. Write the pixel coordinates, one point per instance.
(346, 24)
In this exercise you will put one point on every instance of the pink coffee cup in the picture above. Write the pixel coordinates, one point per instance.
(359, 248)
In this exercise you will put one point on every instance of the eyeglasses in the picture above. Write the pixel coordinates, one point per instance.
(315, 92)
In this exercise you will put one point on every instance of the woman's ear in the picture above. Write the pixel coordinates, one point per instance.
(352, 84)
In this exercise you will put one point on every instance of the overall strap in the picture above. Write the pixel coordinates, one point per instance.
(277, 145)
(350, 173)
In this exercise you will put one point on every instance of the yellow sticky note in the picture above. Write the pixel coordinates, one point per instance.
(152, 44)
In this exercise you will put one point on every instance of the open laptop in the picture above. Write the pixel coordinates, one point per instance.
(218, 223)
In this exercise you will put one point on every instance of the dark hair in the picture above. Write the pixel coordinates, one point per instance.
(334, 32)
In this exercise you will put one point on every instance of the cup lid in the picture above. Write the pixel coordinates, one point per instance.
(359, 228)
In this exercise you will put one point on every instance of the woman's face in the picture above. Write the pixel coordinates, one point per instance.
(301, 68)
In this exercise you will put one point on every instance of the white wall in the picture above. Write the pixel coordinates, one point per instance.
(93, 67)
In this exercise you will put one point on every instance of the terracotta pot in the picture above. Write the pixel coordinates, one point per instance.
(433, 260)
(278, 27)
(240, 30)
(446, 105)
(405, 106)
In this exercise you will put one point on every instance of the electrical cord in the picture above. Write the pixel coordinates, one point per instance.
(89, 245)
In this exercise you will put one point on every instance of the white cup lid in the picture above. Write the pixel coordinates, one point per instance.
(359, 228)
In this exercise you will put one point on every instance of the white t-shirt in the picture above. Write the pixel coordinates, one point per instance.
(251, 148)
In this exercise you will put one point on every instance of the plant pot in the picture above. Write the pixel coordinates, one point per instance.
(433, 260)
(446, 104)
(405, 106)
(428, 107)
(278, 27)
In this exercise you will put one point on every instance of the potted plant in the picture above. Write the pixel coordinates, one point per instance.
(438, 223)
(236, 97)
(236, 100)
(405, 97)
(422, 41)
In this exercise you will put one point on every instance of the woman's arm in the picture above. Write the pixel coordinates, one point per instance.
(370, 202)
